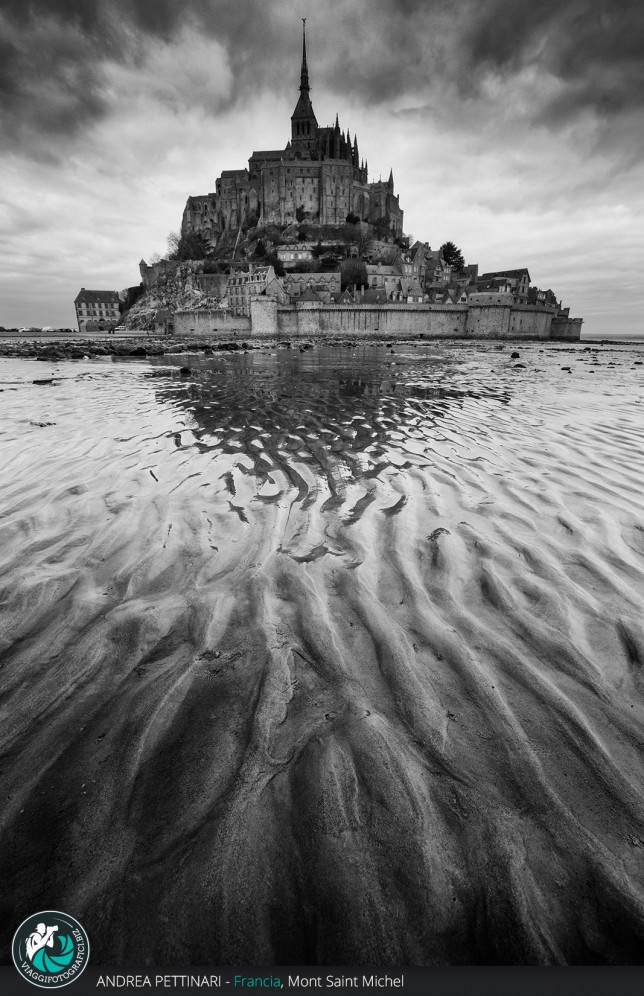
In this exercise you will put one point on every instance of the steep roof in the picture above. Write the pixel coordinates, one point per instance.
(374, 296)
(274, 284)
(505, 273)
(259, 273)
(304, 109)
(346, 297)
(97, 296)
(268, 154)
(310, 295)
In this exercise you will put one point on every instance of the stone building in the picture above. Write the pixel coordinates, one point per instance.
(325, 285)
(317, 176)
(291, 255)
(244, 285)
(97, 310)
(517, 281)
(164, 322)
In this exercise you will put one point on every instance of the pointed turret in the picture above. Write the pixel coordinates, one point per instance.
(336, 138)
(390, 181)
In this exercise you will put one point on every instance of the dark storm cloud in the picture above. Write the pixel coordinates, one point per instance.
(51, 62)
(52, 53)
(593, 48)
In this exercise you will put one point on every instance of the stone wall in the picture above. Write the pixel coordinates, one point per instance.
(529, 323)
(204, 322)
(212, 284)
(488, 321)
(151, 273)
(308, 318)
(566, 328)
(484, 321)
(263, 317)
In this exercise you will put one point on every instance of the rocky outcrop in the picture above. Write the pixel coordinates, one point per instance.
(171, 286)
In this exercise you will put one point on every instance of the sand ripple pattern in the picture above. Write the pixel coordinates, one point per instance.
(328, 657)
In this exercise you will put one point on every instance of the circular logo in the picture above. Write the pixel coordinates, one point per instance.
(50, 949)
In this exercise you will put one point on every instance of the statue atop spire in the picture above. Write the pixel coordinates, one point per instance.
(304, 74)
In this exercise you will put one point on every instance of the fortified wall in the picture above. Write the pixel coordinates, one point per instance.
(207, 322)
(568, 329)
(311, 318)
(478, 321)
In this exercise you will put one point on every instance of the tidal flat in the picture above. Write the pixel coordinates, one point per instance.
(327, 657)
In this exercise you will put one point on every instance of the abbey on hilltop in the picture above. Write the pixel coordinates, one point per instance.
(318, 176)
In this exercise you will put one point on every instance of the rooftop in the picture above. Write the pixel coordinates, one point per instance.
(97, 296)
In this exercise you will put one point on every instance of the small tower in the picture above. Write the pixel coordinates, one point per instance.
(304, 126)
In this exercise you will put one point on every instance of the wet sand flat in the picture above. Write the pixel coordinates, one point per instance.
(326, 657)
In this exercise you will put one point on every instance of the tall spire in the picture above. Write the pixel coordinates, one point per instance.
(304, 127)
(304, 75)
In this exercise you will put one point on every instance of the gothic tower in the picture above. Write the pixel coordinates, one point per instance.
(304, 126)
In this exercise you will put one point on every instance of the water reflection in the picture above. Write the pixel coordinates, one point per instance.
(344, 418)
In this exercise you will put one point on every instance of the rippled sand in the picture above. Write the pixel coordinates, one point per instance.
(327, 657)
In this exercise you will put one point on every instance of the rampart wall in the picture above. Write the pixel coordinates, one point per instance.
(263, 317)
(566, 328)
(485, 321)
(208, 322)
(309, 319)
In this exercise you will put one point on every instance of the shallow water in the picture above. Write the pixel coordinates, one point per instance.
(328, 657)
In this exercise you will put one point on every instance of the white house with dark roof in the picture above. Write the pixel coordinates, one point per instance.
(97, 310)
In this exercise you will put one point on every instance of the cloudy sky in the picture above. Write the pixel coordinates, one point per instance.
(515, 128)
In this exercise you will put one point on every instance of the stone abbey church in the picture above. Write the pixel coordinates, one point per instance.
(318, 177)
